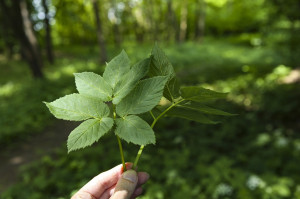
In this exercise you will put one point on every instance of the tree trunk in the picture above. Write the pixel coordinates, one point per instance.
(148, 9)
(6, 34)
(200, 20)
(172, 25)
(116, 29)
(9, 45)
(101, 42)
(49, 48)
(183, 22)
(170, 20)
(29, 42)
(22, 28)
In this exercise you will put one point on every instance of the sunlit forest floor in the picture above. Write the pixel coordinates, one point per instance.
(253, 155)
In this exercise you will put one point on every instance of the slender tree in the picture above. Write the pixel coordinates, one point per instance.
(200, 14)
(172, 23)
(18, 12)
(49, 48)
(183, 21)
(116, 29)
(6, 35)
(101, 42)
(149, 13)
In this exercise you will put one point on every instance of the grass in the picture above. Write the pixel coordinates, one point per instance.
(253, 155)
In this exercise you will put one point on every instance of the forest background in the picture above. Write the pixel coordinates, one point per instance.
(250, 49)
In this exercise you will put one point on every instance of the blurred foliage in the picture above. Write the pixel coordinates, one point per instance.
(249, 49)
(265, 22)
(253, 155)
(224, 16)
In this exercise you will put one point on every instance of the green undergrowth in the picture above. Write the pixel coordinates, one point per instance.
(245, 158)
(254, 155)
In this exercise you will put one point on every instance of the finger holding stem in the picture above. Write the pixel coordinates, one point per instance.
(121, 153)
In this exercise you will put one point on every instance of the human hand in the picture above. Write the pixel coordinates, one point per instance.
(114, 184)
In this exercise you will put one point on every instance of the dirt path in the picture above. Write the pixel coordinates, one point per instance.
(33, 148)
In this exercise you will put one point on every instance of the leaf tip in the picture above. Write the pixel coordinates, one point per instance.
(123, 52)
(70, 150)
(153, 142)
(69, 147)
(232, 114)
(47, 104)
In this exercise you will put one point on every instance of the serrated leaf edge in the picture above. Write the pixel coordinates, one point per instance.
(96, 121)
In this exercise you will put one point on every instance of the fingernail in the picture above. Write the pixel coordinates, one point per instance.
(130, 175)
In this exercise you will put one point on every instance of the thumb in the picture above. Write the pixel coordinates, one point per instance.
(125, 185)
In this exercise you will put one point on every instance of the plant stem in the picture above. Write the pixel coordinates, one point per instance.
(138, 156)
(152, 115)
(119, 141)
(121, 152)
(164, 112)
(152, 126)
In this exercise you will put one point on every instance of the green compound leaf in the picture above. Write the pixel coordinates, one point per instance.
(76, 107)
(205, 109)
(199, 94)
(94, 85)
(129, 80)
(122, 85)
(133, 129)
(88, 132)
(161, 66)
(190, 115)
(116, 68)
(145, 96)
